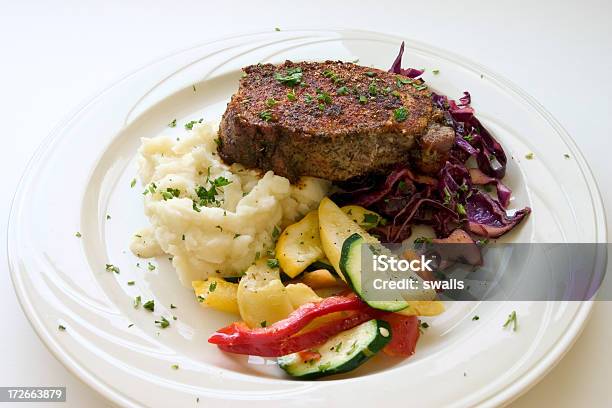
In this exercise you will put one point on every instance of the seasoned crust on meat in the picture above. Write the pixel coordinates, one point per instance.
(333, 120)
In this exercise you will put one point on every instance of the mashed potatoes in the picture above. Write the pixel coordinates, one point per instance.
(213, 219)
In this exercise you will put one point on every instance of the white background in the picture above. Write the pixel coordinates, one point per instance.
(55, 54)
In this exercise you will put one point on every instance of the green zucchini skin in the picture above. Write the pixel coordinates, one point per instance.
(350, 266)
(341, 353)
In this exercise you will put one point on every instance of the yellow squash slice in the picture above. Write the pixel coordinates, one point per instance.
(217, 294)
(299, 245)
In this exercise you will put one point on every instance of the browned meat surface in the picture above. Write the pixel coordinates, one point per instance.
(333, 120)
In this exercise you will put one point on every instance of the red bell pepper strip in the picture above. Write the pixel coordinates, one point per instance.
(404, 334)
(240, 334)
(302, 341)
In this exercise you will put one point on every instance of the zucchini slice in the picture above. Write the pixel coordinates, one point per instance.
(351, 268)
(341, 353)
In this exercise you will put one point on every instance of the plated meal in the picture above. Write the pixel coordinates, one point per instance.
(263, 212)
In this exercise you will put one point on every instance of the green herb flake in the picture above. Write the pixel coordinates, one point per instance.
(172, 124)
(130, 325)
(272, 263)
(475, 318)
(270, 102)
(137, 301)
(511, 321)
(292, 77)
(435, 71)
(163, 323)
(461, 209)
(112, 268)
(172, 306)
(150, 266)
(263, 323)
(133, 183)
(61, 328)
(212, 287)
(529, 156)
(193, 87)
(276, 29)
(371, 219)
(291, 95)
(265, 115)
(276, 233)
(108, 217)
(337, 347)
(400, 114)
(343, 90)
(149, 305)
(370, 74)
(174, 366)
(78, 234)
(189, 125)
(131, 283)
(363, 100)
(567, 156)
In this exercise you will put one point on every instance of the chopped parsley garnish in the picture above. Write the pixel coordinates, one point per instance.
(328, 73)
(276, 29)
(61, 328)
(435, 71)
(163, 323)
(263, 323)
(567, 156)
(423, 240)
(193, 87)
(189, 125)
(108, 217)
(270, 102)
(370, 74)
(343, 90)
(170, 193)
(511, 321)
(529, 156)
(221, 182)
(323, 97)
(337, 347)
(265, 115)
(275, 232)
(373, 89)
(130, 325)
(172, 124)
(468, 137)
(78, 234)
(131, 283)
(212, 287)
(137, 301)
(292, 77)
(172, 306)
(175, 366)
(371, 219)
(151, 267)
(149, 305)
(461, 209)
(363, 99)
(307, 98)
(475, 318)
(400, 114)
(272, 263)
(133, 183)
(291, 95)
(423, 326)
(112, 268)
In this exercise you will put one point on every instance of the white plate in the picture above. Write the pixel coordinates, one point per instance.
(83, 172)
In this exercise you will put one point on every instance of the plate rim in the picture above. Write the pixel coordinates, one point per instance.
(510, 393)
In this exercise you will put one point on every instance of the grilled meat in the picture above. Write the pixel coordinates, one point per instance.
(333, 120)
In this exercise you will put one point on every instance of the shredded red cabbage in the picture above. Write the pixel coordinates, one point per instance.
(451, 201)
